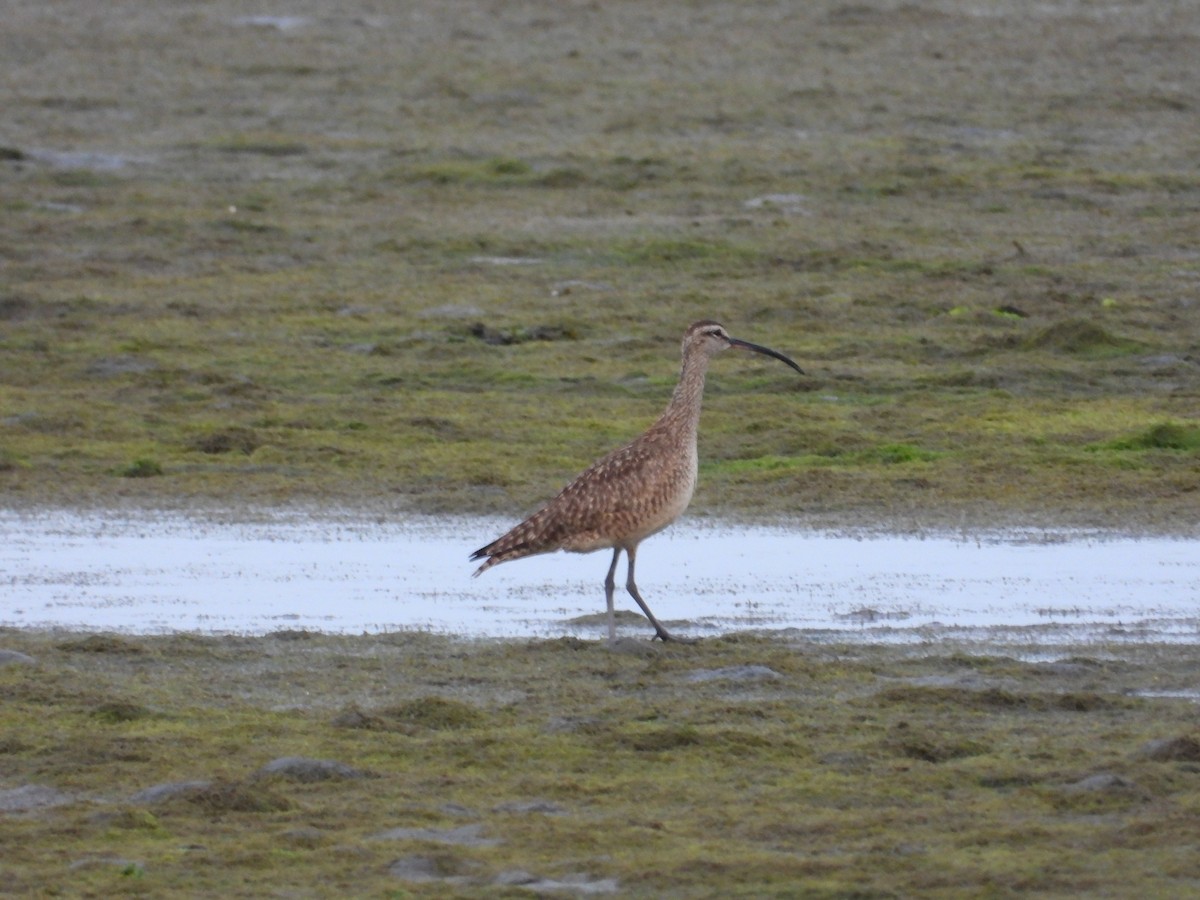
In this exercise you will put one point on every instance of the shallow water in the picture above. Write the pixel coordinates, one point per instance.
(161, 573)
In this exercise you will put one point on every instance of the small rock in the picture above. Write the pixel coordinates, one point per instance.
(416, 868)
(65, 159)
(545, 807)
(160, 793)
(578, 884)
(279, 23)
(422, 869)
(51, 206)
(566, 287)
(505, 260)
(452, 311)
(15, 657)
(786, 203)
(463, 836)
(32, 796)
(126, 865)
(301, 768)
(1162, 361)
(734, 673)
(515, 877)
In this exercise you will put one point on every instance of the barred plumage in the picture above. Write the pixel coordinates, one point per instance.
(633, 492)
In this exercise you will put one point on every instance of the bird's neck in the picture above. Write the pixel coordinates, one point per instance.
(684, 409)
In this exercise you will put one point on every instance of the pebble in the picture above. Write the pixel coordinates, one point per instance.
(579, 884)
(785, 203)
(32, 796)
(544, 807)
(452, 311)
(1103, 782)
(464, 835)
(734, 673)
(416, 868)
(160, 793)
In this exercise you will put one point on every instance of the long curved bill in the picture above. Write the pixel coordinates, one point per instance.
(765, 351)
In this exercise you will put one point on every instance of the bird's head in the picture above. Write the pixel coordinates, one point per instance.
(710, 338)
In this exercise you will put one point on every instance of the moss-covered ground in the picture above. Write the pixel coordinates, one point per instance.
(440, 258)
(742, 766)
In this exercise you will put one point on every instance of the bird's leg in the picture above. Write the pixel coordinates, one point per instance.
(659, 631)
(610, 584)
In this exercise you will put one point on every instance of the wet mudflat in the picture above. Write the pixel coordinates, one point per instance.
(155, 573)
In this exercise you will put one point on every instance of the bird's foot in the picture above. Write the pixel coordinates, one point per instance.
(663, 635)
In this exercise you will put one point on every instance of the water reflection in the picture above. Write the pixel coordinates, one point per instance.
(169, 573)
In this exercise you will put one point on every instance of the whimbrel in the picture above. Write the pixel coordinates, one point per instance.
(633, 492)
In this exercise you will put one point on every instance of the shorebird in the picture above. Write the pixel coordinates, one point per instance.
(633, 492)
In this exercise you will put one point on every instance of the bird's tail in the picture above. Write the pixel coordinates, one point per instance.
(516, 544)
(489, 561)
